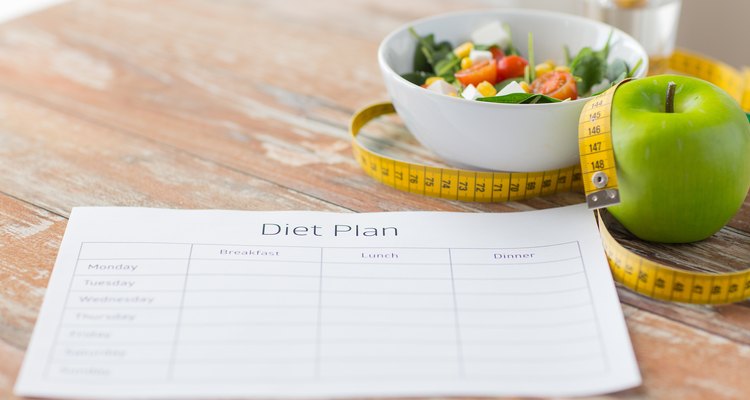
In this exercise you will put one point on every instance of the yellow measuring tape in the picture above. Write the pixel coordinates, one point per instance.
(452, 183)
(596, 175)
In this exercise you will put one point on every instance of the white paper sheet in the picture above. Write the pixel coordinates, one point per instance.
(153, 303)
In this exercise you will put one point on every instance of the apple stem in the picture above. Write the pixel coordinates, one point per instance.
(669, 104)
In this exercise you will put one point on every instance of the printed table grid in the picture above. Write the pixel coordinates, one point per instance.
(442, 320)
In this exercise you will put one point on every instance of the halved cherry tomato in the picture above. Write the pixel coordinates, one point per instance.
(477, 73)
(510, 67)
(497, 53)
(558, 84)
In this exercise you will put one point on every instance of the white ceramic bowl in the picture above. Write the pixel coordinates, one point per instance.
(503, 137)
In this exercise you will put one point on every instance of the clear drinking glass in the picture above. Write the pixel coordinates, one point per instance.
(653, 23)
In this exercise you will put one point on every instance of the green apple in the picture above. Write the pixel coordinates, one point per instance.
(682, 174)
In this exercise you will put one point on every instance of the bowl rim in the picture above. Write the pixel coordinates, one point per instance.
(641, 72)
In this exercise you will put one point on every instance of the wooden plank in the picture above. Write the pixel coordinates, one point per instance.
(728, 321)
(70, 162)
(11, 357)
(680, 362)
(32, 236)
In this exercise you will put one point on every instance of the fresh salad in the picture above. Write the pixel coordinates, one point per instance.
(489, 68)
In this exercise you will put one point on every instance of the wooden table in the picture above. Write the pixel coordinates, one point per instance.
(245, 105)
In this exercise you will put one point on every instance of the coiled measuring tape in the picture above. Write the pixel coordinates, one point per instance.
(453, 183)
(596, 175)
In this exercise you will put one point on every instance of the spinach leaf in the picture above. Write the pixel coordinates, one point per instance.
(416, 77)
(420, 58)
(449, 65)
(520, 98)
(440, 52)
(617, 70)
(420, 61)
(428, 53)
(590, 66)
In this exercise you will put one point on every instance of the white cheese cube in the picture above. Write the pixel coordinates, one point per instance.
(510, 88)
(491, 34)
(471, 93)
(442, 87)
(477, 56)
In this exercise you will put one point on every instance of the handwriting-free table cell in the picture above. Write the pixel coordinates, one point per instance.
(117, 334)
(111, 353)
(255, 253)
(252, 284)
(120, 317)
(225, 315)
(114, 284)
(231, 268)
(522, 368)
(443, 301)
(146, 371)
(517, 271)
(554, 283)
(386, 255)
(395, 334)
(518, 255)
(246, 333)
(125, 267)
(338, 316)
(124, 300)
(387, 286)
(251, 299)
(131, 251)
(420, 272)
(251, 371)
(398, 368)
(217, 352)
(531, 301)
(559, 332)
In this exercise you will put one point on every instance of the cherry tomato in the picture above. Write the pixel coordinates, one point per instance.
(497, 53)
(558, 84)
(476, 74)
(510, 67)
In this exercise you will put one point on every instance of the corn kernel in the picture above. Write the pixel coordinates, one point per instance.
(542, 68)
(429, 81)
(466, 63)
(562, 68)
(551, 62)
(463, 50)
(486, 89)
(525, 86)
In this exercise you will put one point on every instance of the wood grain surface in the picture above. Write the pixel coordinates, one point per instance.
(244, 105)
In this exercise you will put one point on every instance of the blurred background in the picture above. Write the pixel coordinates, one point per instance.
(716, 28)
